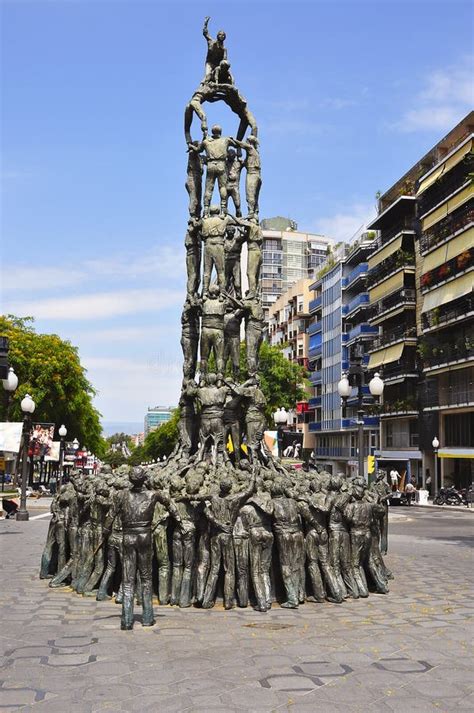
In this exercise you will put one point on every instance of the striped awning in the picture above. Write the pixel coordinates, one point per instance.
(455, 247)
(385, 253)
(386, 287)
(445, 167)
(448, 207)
(385, 356)
(448, 292)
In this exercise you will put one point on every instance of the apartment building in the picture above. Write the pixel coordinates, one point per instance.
(288, 321)
(155, 417)
(340, 333)
(420, 285)
(288, 256)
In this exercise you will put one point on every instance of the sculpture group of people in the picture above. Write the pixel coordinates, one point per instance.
(278, 535)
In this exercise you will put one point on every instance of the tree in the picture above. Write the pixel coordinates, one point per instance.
(120, 438)
(281, 380)
(49, 369)
(162, 441)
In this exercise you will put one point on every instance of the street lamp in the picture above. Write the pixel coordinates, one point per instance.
(27, 406)
(344, 387)
(435, 444)
(280, 418)
(9, 384)
(62, 435)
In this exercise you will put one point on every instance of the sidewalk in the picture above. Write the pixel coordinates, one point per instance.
(448, 508)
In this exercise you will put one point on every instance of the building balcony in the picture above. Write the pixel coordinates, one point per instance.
(333, 452)
(315, 327)
(362, 300)
(399, 371)
(357, 273)
(315, 402)
(315, 426)
(447, 228)
(406, 225)
(448, 354)
(401, 259)
(406, 296)
(315, 377)
(402, 333)
(315, 352)
(405, 407)
(448, 396)
(315, 304)
(362, 331)
(445, 187)
(448, 314)
(448, 270)
(392, 216)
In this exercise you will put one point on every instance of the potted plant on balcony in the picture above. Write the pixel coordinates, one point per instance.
(444, 271)
(434, 317)
(427, 279)
(463, 260)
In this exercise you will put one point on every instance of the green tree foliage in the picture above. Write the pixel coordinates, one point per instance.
(120, 438)
(114, 458)
(282, 381)
(162, 441)
(49, 369)
(138, 456)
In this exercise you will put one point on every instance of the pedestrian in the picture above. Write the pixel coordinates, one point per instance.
(410, 491)
(428, 481)
(394, 478)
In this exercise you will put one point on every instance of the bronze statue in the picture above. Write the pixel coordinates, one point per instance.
(215, 148)
(212, 330)
(216, 52)
(234, 166)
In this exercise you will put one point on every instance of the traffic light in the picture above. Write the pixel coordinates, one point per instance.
(370, 464)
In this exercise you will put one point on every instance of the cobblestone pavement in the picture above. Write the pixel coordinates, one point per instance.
(409, 651)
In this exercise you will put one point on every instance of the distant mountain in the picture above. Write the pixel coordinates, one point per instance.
(128, 427)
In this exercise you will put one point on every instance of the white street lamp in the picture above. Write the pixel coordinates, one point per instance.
(62, 431)
(435, 444)
(344, 388)
(376, 385)
(11, 382)
(75, 444)
(27, 406)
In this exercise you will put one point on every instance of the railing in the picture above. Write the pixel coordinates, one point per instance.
(371, 421)
(447, 354)
(403, 441)
(391, 371)
(363, 329)
(315, 327)
(397, 228)
(439, 316)
(355, 273)
(333, 452)
(314, 304)
(315, 377)
(401, 332)
(400, 406)
(402, 296)
(315, 352)
(395, 262)
(445, 186)
(459, 395)
(453, 223)
(315, 402)
(448, 269)
(362, 299)
(315, 426)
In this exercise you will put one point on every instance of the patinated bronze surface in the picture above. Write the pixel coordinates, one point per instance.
(221, 505)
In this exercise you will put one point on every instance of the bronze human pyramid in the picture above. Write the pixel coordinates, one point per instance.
(221, 500)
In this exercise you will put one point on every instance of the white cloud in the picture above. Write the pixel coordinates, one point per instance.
(25, 278)
(99, 305)
(164, 261)
(127, 334)
(447, 95)
(345, 223)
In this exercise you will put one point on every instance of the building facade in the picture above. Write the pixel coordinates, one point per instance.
(288, 255)
(340, 332)
(156, 417)
(420, 292)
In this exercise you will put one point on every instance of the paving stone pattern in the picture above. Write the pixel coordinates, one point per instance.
(409, 651)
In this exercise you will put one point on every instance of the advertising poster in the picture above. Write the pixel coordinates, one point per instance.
(41, 440)
(10, 437)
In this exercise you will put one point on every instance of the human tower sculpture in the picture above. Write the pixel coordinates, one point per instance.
(280, 535)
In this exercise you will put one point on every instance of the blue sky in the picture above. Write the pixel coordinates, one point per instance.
(347, 97)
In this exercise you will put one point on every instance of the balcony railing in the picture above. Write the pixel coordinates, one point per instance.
(400, 259)
(362, 330)
(314, 304)
(315, 377)
(399, 406)
(355, 274)
(400, 226)
(445, 314)
(369, 421)
(446, 227)
(459, 395)
(445, 186)
(315, 327)
(448, 353)
(333, 452)
(362, 299)
(448, 269)
(315, 352)
(315, 426)
(315, 402)
(395, 335)
(406, 295)
(393, 371)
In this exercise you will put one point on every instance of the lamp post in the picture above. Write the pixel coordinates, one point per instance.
(62, 435)
(435, 444)
(344, 387)
(280, 418)
(9, 384)
(27, 406)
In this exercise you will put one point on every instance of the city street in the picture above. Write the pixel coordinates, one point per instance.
(409, 651)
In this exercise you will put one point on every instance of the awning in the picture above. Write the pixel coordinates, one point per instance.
(449, 292)
(385, 288)
(386, 356)
(456, 453)
(385, 253)
(448, 207)
(446, 166)
(398, 455)
(455, 247)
